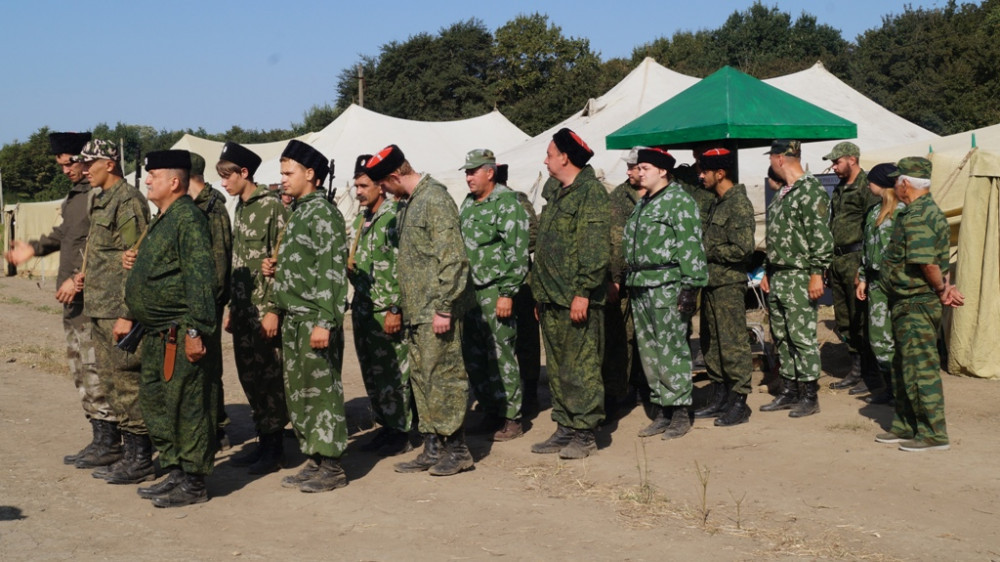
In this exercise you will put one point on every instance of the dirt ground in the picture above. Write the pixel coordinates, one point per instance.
(775, 488)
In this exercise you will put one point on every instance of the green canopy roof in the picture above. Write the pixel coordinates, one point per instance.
(731, 105)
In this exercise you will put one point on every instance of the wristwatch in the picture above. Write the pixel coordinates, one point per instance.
(395, 309)
(193, 333)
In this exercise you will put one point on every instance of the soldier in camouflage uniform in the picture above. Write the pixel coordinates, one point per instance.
(377, 316)
(495, 228)
(118, 217)
(69, 238)
(915, 276)
(728, 242)
(666, 267)
(569, 281)
(171, 290)
(310, 287)
(799, 248)
(253, 318)
(849, 206)
(434, 279)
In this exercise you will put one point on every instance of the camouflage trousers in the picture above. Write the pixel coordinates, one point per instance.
(488, 345)
(528, 347)
(662, 334)
(573, 354)
(385, 367)
(82, 361)
(258, 364)
(724, 340)
(879, 329)
(215, 371)
(916, 370)
(314, 392)
(118, 372)
(621, 365)
(849, 312)
(180, 413)
(438, 378)
(793, 325)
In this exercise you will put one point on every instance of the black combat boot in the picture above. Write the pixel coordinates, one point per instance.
(737, 412)
(138, 466)
(190, 491)
(555, 443)
(248, 457)
(272, 453)
(786, 399)
(580, 447)
(853, 377)
(455, 456)
(680, 423)
(107, 447)
(809, 403)
(659, 425)
(426, 459)
(173, 479)
(310, 469)
(397, 443)
(329, 476)
(716, 403)
(71, 459)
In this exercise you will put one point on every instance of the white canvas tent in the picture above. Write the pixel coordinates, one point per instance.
(30, 221)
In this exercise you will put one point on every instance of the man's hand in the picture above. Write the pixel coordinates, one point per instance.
(816, 288)
(687, 302)
(859, 289)
(951, 297)
(67, 291)
(121, 328)
(765, 285)
(442, 324)
(19, 253)
(614, 293)
(320, 338)
(505, 307)
(128, 258)
(269, 325)
(194, 348)
(393, 323)
(267, 266)
(226, 325)
(578, 309)
(78, 281)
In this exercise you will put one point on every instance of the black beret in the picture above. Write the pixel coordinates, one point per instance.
(67, 143)
(880, 175)
(501, 175)
(241, 156)
(168, 159)
(387, 161)
(657, 157)
(308, 157)
(716, 159)
(359, 165)
(572, 146)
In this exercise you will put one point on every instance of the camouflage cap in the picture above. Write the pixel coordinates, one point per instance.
(786, 147)
(843, 149)
(632, 158)
(913, 166)
(197, 164)
(478, 157)
(98, 149)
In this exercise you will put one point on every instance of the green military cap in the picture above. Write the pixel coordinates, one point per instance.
(786, 147)
(843, 149)
(913, 166)
(478, 157)
(197, 164)
(98, 149)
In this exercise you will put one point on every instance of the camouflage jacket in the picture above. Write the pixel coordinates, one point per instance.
(374, 267)
(496, 231)
(622, 202)
(574, 245)
(311, 277)
(663, 241)
(433, 267)
(728, 237)
(213, 204)
(849, 206)
(259, 222)
(703, 198)
(118, 217)
(798, 235)
(919, 237)
(522, 198)
(172, 279)
(876, 239)
(69, 238)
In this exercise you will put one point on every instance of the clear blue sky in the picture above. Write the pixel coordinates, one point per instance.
(260, 65)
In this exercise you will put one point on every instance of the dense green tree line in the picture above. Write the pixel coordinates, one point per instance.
(936, 67)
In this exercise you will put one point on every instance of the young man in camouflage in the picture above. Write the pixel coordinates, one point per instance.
(171, 290)
(728, 242)
(915, 276)
(377, 317)
(569, 281)
(495, 228)
(433, 283)
(666, 267)
(310, 288)
(253, 319)
(799, 249)
(69, 238)
(849, 206)
(118, 217)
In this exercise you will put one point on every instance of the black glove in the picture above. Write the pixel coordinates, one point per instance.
(687, 301)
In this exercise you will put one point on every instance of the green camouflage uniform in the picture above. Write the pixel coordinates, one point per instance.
(172, 282)
(879, 329)
(258, 224)
(728, 241)
(310, 286)
(703, 199)
(118, 217)
(496, 232)
(848, 208)
(528, 347)
(663, 250)
(434, 277)
(799, 244)
(385, 367)
(920, 237)
(69, 238)
(572, 261)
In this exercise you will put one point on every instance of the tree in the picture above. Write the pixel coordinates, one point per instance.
(30, 173)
